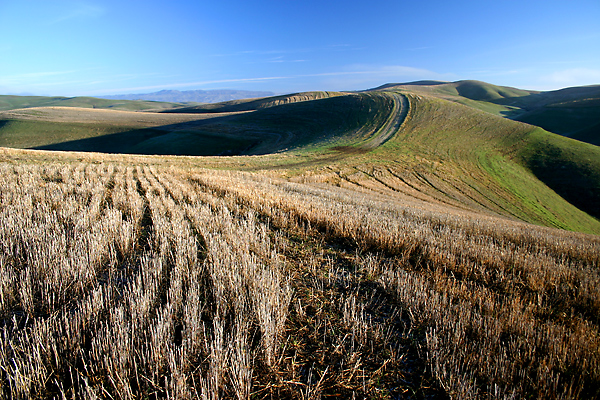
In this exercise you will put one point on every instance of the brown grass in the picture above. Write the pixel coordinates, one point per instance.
(102, 116)
(123, 280)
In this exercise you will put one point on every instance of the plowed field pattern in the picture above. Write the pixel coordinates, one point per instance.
(140, 281)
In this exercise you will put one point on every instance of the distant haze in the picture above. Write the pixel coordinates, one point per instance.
(197, 96)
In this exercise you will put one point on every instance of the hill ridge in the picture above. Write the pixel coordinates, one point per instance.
(360, 137)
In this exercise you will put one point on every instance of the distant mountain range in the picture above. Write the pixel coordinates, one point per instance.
(195, 96)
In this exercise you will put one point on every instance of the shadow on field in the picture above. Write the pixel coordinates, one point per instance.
(578, 183)
(187, 139)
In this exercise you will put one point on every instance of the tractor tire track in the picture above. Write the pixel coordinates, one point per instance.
(393, 123)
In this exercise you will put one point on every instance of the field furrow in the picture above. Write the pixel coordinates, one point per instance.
(128, 281)
(526, 298)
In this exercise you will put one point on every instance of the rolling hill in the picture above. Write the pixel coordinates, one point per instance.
(572, 112)
(473, 90)
(254, 104)
(193, 96)
(15, 102)
(391, 140)
(383, 244)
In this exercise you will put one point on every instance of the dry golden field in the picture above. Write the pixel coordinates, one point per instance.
(125, 278)
(100, 116)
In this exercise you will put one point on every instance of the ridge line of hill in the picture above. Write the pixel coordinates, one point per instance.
(447, 151)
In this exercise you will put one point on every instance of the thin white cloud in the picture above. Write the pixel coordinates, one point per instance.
(359, 77)
(282, 59)
(495, 72)
(573, 77)
(186, 84)
(418, 48)
(387, 73)
(335, 47)
(77, 10)
(349, 78)
(32, 77)
(373, 73)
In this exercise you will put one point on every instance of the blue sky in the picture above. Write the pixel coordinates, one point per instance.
(101, 47)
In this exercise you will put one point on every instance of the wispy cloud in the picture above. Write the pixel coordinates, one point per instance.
(345, 79)
(418, 48)
(574, 77)
(78, 10)
(358, 77)
(187, 84)
(32, 77)
(394, 72)
(283, 59)
(281, 52)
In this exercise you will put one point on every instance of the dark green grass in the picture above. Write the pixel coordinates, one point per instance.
(156, 141)
(340, 120)
(33, 134)
(572, 120)
(569, 167)
(105, 138)
(516, 169)
(572, 112)
(590, 134)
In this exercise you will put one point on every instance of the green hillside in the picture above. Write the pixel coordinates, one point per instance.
(572, 112)
(15, 102)
(470, 89)
(26, 134)
(480, 91)
(458, 156)
(338, 119)
(400, 142)
(255, 104)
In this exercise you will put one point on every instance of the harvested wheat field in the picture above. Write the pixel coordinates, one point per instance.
(269, 200)
(130, 279)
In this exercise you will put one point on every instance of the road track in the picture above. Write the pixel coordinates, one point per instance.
(393, 123)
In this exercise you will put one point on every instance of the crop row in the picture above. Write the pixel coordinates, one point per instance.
(126, 281)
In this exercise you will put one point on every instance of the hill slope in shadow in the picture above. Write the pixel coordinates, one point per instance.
(573, 112)
(396, 141)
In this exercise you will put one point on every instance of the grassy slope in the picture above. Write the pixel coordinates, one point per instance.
(339, 119)
(579, 120)
(444, 152)
(474, 158)
(157, 141)
(111, 131)
(474, 90)
(480, 91)
(480, 95)
(32, 134)
(456, 156)
(572, 112)
(568, 166)
(255, 104)
(14, 102)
